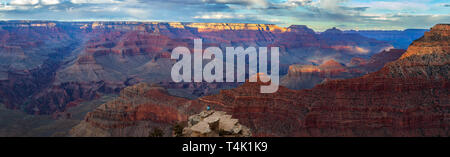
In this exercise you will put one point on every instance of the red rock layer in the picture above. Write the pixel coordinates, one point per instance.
(307, 76)
(88, 58)
(377, 61)
(408, 97)
(136, 112)
(127, 43)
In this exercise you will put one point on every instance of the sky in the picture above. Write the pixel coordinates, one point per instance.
(316, 14)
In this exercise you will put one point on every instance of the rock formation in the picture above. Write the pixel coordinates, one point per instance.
(46, 65)
(408, 97)
(214, 124)
(377, 61)
(136, 112)
(307, 76)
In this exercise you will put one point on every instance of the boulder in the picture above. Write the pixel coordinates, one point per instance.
(214, 124)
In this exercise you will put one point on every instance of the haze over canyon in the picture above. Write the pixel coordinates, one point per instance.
(113, 79)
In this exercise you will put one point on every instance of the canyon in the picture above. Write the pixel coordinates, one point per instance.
(352, 85)
(408, 97)
(307, 76)
(46, 65)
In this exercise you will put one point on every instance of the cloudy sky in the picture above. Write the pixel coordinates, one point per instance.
(317, 14)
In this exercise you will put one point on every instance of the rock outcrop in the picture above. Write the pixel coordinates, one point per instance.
(377, 61)
(136, 112)
(214, 124)
(408, 97)
(427, 58)
(307, 76)
(142, 108)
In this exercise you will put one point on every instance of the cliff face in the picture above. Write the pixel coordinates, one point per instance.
(29, 56)
(408, 97)
(307, 76)
(46, 65)
(394, 101)
(377, 61)
(426, 58)
(276, 114)
(136, 112)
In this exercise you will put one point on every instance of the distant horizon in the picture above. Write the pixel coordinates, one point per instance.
(316, 14)
(148, 21)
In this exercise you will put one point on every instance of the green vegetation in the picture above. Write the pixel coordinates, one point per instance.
(178, 129)
(157, 132)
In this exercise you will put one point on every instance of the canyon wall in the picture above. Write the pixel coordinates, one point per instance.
(407, 97)
(307, 76)
(46, 65)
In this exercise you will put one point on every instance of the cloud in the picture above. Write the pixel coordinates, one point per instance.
(248, 3)
(32, 2)
(219, 15)
(318, 14)
(93, 1)
(261, 4)
(24, 2)
(289, 4)
(396, 6)
(50, 2)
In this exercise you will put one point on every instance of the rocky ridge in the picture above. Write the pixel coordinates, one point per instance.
(307, 76)
(394, 101)
(83, 60)
(136, 112)
(214, 124)
(408, 97)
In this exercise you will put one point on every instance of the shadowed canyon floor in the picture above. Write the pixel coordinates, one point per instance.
(16, 123)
